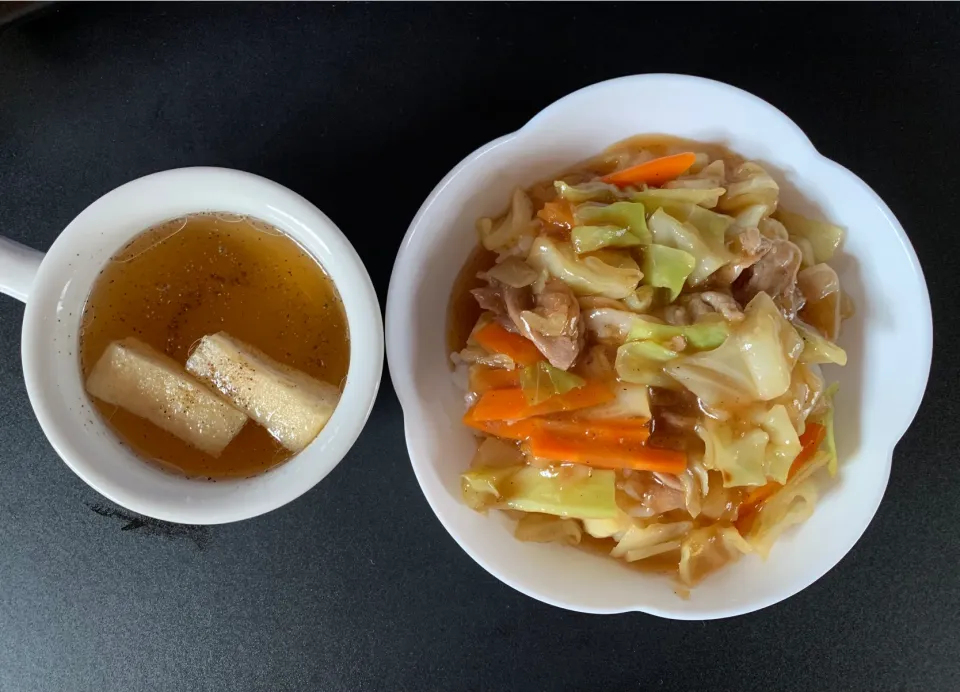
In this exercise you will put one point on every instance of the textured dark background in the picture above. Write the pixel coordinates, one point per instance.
(362, 109)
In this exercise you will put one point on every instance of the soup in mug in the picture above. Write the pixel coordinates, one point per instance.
(214, 346)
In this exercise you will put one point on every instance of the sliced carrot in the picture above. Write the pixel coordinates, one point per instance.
(810, 441)
(511, 404)
(558, 213)
(496, 339)
(516, 430)
(612, 431)
(656, 172)
(484, 378)
(625, 454)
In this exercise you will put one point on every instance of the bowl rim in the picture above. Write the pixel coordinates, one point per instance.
(298, 218)
(402, 379)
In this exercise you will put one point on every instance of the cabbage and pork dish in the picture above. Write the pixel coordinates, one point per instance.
(642, 341)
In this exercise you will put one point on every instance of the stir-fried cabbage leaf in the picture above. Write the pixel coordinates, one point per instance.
(710, 252)
(595, 191)
(474, 355)
(817, 349)
(644, 496)
(541, 381)
(713, 227)
(551, 324)
(710, 176)
(710, 332)
(806, 250)
(591, 238)
(586, 276)
(824, 237)
(667, 267)
(790, 505)
(721, 503)
(650, 350)
(631, 401)
(513, 233)
(621, 259)
(641, 299)
(754, 217)
(641, 362)
(656, 198)
(829, 445)
(771, 228)
(764, 334)
(613, 527)
(547, 491)
(640, 542)
(738, 456)
(610, 324)
(695, 480)
(546, 528)
(753, 450)
(754, 363)
(513, 272)
(784, 444)
(707, 549)
(629, 215)
(750, 186)
(804, 395)
(719, 377)
(820, 286)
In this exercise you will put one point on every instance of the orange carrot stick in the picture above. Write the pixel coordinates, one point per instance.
(558, 213)
(484, 378)
(656, 172)
(496, 339)
(627, 454)
(612, 431)
(519, 430)
(511, 404)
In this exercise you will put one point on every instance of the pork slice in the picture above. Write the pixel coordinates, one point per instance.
(774, 274)
(550, 319)
(554, 324)
(749, 246)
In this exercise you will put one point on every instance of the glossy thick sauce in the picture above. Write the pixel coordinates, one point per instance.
(199, 275)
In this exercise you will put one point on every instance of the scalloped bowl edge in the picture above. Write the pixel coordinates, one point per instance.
(432, 253)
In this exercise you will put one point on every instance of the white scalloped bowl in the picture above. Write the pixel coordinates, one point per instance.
(889, 340)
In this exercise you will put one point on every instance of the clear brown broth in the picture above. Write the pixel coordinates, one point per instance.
(206, 273)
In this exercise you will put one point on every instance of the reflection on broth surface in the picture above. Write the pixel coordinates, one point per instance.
(200, 275)
(642, 338)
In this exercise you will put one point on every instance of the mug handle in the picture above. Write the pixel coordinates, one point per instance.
(18, 267)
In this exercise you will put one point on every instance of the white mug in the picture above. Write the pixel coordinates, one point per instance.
(55, 287)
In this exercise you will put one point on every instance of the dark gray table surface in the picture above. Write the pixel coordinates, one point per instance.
(362, 109)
